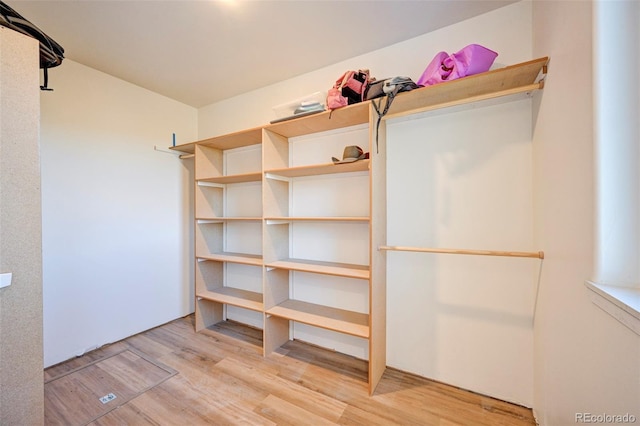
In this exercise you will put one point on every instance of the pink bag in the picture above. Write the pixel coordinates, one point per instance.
(472, 59)
(348, 89)
(335, 98)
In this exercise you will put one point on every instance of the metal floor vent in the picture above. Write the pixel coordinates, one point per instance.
(107, 398)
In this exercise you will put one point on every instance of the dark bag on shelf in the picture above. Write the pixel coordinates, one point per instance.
(374, 90)
(348, 89)
(51, 53)
(379, 88)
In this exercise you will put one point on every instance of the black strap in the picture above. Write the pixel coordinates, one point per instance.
(389, 99)
(46, 81)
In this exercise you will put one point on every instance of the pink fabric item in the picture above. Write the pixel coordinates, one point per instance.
(335, 98)
(354, 84)
(434, 73)
(470, 60)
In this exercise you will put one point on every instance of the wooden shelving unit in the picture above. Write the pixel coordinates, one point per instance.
(283, 222)
(214, 222)
(280, 223)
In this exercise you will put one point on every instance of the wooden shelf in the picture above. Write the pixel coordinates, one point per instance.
(282, 219)
(242, 258)
(234, 296)
(229, 141)
(325, 268)
(523, 77)
(320, 169)
(227, 219)
(241, 178)
(351, 115)
(348, 322)
(520, 78)
(188, 148)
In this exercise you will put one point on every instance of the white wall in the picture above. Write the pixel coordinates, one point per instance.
(585, 361)
(116, 222)
(473, 329)
(463, 180)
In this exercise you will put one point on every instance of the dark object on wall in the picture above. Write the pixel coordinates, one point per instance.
(51, 53)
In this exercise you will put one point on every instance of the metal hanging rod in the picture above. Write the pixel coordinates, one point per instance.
(538, 254)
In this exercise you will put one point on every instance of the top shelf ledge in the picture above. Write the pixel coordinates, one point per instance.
(520, 78)
(239, 139)
(515, 79)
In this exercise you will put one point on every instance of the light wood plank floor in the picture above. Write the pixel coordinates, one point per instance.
(223, 379)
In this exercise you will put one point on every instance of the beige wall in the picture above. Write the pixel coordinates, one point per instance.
(21, 383)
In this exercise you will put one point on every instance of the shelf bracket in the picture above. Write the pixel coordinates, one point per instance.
(166, 151)
(211, 184)
(276, 177)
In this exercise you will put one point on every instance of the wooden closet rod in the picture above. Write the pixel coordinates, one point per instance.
(539, 254)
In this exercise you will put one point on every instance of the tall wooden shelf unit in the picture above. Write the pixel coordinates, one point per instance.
(276, 174)
(212, 221)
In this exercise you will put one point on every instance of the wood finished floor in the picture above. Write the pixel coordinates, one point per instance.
(223, 379)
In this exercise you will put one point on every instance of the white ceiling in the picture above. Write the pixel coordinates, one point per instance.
(200, 52)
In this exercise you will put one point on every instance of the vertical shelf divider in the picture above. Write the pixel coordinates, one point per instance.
(275, 239)
(377, 259)
(208, 313)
